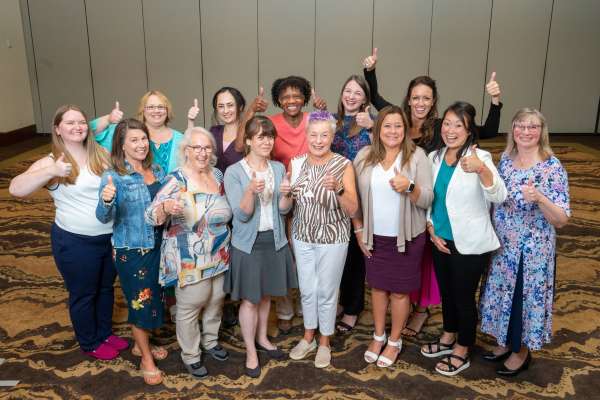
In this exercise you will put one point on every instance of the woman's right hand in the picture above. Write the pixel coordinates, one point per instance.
(285, 188)
(193, 111)
(259, 104)
(61, 169)
(173, 206)
(109, 191)
(370, 62)
(256, 185)
(363, 247)
(116, 115)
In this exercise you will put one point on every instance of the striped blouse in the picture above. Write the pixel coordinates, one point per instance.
(318, 217)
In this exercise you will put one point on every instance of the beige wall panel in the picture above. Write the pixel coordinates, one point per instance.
(401, 33)
(344, 37)
(229, 48)
(117, 53)
(286, 37)
(174, 54)
(518, 41)
(61, 55)
(459, 42)
(572, 81)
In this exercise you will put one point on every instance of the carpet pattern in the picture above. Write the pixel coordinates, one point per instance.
(37, 342)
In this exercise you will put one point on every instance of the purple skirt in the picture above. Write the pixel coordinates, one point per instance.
(395, 272)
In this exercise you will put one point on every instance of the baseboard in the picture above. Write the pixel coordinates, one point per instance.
(18, 135)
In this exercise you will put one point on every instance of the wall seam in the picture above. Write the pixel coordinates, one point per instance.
(35, 71)
(145, 50)
(257, 51)
(487, 59)
(87, 31)
(202, 63)
(430, 37)
(315, 44)
(546, 58)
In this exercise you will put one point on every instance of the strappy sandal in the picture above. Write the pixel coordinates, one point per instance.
(453, 369)
(152, 378)
(158, 352)
(383, 361)
(371, 357)
(442, 349)
(408, 331)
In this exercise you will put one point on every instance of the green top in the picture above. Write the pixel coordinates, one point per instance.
(439, 212)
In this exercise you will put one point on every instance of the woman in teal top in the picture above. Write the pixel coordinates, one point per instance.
(439, 212)
(156, 112)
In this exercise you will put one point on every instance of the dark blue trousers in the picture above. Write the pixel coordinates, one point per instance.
(86, 265)
(515, 323)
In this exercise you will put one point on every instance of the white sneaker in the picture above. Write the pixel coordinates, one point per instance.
(302, 349)
(323, 357)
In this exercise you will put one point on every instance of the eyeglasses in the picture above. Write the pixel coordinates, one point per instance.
(156, 108)
(200, 149)
(523, 128)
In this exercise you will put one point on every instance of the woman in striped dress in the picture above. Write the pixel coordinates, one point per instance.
(323, 187)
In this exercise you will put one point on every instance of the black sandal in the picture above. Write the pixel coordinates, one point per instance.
(343, 328)
(442, 349)
(453, 369)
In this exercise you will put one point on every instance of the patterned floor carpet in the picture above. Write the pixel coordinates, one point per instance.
(39, 349)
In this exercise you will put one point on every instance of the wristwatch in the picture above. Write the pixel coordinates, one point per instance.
(340, 191)
(411, 187)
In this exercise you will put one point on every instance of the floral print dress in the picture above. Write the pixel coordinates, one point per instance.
(524, 232)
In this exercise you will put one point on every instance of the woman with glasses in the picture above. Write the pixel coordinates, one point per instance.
(195, 249)
(516, 307)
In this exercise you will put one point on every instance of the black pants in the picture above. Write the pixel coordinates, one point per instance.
(458, 277)
(352, 287)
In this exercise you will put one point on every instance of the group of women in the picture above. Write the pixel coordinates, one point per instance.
(259, 205)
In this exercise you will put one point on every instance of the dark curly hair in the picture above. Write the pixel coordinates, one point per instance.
(297, 82)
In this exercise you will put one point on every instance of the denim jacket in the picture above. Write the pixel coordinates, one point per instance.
(127, 208)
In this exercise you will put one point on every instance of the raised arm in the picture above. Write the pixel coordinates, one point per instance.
(38, 175)
(258, 105)
(371, 78)
(101, 123)
(192, 114)
(492, 122)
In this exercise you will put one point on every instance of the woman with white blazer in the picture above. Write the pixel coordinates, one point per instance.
(458, 221)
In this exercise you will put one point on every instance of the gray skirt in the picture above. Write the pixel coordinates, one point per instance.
(263, 272)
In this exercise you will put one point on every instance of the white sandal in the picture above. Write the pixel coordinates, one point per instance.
(383, 361)
(371, 357)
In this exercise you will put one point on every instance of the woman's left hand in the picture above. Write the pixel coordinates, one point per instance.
(363, 119)
(399, 182)
(471, 163)
(318, 102)
(285, 188)
(329, 182)
(530, 192)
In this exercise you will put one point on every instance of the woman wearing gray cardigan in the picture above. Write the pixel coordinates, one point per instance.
(395, 187)
(261, 262)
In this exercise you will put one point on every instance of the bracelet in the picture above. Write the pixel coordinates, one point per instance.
(358, 230)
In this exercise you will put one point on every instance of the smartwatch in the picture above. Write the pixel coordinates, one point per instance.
(340, 191)
(411, 187)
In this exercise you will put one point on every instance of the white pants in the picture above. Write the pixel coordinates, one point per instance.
(204, 297)
(320, 268)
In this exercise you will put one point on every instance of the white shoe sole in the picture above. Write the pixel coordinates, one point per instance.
(457, 371)
(437, 354)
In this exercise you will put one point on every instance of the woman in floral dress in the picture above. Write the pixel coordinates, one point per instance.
(517, 302)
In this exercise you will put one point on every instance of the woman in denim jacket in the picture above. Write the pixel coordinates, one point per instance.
(125, 192)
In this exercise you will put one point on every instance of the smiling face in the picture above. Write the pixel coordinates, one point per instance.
(155, 112)
(292, 101)
(527, 132)
(392, 131)
(353, 98)
(226, 108)
(198, 152)
(320, 136)
(136, 145)
(73, 127)
(454, 131)
(421, 101)
(260, 144)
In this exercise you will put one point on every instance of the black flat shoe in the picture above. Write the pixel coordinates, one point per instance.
(253, 372)
(275, 354)
(503, 371)
(490, 356)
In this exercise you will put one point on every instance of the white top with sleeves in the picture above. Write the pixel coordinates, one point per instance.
(386, 212)
(266, 212)
(76, 205)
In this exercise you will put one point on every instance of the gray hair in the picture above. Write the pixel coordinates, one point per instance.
(187, 139)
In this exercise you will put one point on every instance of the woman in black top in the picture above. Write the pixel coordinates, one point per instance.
(420, 104)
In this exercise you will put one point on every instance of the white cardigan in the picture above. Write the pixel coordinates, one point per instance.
(468, 205)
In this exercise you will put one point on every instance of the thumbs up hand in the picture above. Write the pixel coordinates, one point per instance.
(329, 182)
(530, 192)
(363, 119)
(109, 191)
(370, 62)
(259, 104)
(257, 185)
(116, 115)
(493, 89)
(285, 188)
(472, 163)
(318, 102)
(174, 206)
(61, 168)
(193, 111)
(399, 182)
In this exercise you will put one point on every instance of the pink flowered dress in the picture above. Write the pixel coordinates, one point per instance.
(524, 232)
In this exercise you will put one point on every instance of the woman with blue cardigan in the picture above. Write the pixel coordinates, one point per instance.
(258, 191)
(125, 192)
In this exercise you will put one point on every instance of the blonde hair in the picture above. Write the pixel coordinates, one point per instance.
(97, 158)
(544, 149)
(164, 99)
(187, 139)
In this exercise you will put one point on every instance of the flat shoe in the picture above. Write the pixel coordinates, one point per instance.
(302, 349)
(218, 353)
(152, 377)
(343, 328)
(197, 370)
(284, 326)
(504, 371)
(323, 357)
(490, 356)
(158, 352)
(275, 354)
(252, 372)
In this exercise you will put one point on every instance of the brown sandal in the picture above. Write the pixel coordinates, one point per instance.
(158, 352)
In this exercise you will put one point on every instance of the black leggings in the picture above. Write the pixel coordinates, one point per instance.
(352, 287)
(458, 276)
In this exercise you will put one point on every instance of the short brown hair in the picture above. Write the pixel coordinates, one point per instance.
(256, 125)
